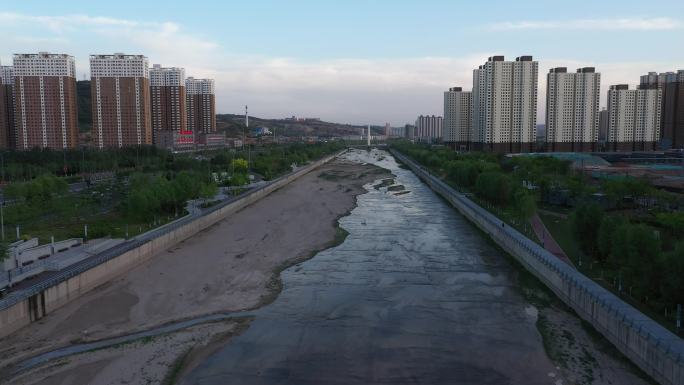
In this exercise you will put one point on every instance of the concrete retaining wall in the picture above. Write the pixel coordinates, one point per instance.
(657, 351)
(37, 305)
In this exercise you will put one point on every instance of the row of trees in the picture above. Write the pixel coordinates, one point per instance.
(649, 258)
(156, 195)
(272, 161)
(38, 192)
(26, 165)
(493, 178)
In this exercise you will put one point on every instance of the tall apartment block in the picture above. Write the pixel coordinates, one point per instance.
(45, 111)
(671, 85)
(7, 131)
(604, 120)
(505, 105)
(120, 87)
(429, 128)
(201, 105)
(458, 118)
(167, 91)
(572, 110)
(634, 119)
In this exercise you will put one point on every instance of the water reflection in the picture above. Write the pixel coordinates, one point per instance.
(415, 294)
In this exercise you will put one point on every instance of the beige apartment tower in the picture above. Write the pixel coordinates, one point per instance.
(505, 105)
(633, 119)
(7, 131)
(572, 110)
(201, 105)
(458, 108)
(121, 104)
(45, 111)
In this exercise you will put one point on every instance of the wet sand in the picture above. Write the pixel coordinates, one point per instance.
(231, 266)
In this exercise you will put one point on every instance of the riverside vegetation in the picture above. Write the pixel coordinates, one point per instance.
(143, 187)
(623, 233)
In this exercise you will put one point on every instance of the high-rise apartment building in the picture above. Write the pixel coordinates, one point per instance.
(167, 92)
(201, 105)
(572, 110)
(671, 85)
(634, 118)
(121, 105)
(7, 131)
(505, 105)
(458, 110)
(45, 111)
(429, 128)
(604, 120)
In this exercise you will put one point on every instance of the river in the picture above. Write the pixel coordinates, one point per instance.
(415, 294)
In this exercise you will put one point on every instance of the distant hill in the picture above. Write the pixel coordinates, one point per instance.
(233, 125)
(85, 110)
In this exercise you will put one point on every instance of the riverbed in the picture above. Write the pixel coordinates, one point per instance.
(415, 294)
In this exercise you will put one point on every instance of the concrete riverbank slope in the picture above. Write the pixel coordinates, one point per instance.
(657, 351)
(33, 303)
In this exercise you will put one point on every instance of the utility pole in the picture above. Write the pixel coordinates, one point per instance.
(244, 130)
(368, 140)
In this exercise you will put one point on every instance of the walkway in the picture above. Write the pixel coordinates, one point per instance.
(547, 240)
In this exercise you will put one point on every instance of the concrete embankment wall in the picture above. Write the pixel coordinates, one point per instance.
(657, 351)
(45, 301)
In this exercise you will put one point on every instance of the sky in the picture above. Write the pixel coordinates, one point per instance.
(353, 61)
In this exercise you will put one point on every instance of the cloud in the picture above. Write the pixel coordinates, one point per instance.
(354, 90)
(64, 23)
(618, 24)
(79, 34)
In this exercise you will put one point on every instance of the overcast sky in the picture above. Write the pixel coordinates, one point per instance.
(355, 61)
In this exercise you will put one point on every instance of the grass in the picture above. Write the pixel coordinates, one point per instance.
(66, 216)
(562, 233)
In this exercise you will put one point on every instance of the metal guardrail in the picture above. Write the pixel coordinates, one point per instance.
(79, 267)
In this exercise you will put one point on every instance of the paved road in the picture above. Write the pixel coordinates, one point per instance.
(414, 295)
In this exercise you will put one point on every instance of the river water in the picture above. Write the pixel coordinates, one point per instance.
(415, 294)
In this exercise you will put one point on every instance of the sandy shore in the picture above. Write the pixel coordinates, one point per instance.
(231, 266)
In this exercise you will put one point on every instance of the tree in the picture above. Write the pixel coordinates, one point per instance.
(672, 287)
(605, 234)
(240, 166)
(494, 187)
(208, 191)
(525, 203)
(584, 223)
(636, 251)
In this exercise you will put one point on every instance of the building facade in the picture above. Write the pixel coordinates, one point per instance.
(671, 85)
(7, 131)
(45, 110)
(121, 103)
(168, 99)
(572, 110)
(633, 119)
(505, 105)
(604, 120)
(458, 108)
(429, 128)
(201, 105)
